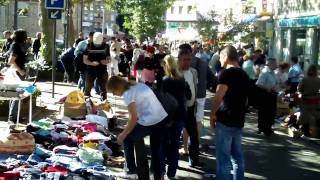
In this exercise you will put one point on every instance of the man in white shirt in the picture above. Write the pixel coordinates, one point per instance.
(115, 56)
(191, 77)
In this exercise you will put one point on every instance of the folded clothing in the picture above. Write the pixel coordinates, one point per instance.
(65, 150)
(90, 156)
(10, 175)
(95, 136)
(97, 119)
(55, 169)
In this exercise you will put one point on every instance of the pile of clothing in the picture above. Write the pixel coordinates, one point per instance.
(60, 149)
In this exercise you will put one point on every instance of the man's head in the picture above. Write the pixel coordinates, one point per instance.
(294, 60)
(7, 34)
(258, 52)
(272, 63)
(97, 38)
(38, 35)
(228, 55)
(184, 56)
(90, 37)
(80, 35)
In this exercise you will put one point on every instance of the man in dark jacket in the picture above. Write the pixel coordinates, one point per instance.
(7, 43)
(36, 45)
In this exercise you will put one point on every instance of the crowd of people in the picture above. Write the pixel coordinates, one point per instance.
(150, 80)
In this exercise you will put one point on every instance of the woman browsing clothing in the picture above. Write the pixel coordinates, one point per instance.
(17, 62)
(174, 84)
(146, 117)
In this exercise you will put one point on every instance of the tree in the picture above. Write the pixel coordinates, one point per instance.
(207, 25)
(142, 18)
(3, 2)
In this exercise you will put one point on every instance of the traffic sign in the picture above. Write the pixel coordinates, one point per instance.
(54, 14)
(55, 4)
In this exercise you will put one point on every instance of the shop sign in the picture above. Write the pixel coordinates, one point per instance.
(300, 22)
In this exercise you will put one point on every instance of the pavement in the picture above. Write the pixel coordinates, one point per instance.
(278, 157)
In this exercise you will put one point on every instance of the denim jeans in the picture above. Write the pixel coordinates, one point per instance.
(229, 152)
(191, 126)
(81, 82)
(101, 78)
(156, 136)
(170, 151)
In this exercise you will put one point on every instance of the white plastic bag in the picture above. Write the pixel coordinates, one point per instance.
(11, 80)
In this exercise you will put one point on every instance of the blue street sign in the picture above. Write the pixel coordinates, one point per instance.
(54, 13)
(55, 4)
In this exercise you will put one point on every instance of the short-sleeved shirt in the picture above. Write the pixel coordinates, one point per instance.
(95, 53)
(295, 73)
(267, 78)
(19, 51)
(232, 109)
(248, 67)
(149, 109)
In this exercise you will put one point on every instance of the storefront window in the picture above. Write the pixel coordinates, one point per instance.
(285, 48)
(300, 42)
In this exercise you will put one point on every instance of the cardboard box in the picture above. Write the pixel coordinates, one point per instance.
(74, 110)
(283, 108)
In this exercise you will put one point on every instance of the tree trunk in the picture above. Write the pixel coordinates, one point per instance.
(47, 29)
(71, 30)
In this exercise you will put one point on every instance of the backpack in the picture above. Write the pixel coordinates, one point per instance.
(169, 103)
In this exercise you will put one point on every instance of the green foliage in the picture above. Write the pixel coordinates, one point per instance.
(207, 25)
(3, 2)
(142, 18)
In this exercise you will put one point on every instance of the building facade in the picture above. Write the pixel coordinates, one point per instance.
(29, 14)
(97, 18)
(297, 31)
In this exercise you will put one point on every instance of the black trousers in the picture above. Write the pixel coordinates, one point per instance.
(191, 126)
(102, 78)
(267, 110)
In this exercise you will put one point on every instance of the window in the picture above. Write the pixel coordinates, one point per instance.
(189, 9)
(172, 10)
(180, 9)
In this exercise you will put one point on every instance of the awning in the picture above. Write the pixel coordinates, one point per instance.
(309, 21)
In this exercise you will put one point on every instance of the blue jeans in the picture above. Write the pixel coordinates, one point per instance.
(229, 152)
(170, 151)
(156, 137)
(81, 82)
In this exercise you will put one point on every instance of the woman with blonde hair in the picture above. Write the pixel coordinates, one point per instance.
(174, 84)
(146, 117)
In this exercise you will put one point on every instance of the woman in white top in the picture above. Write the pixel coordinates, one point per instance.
(146, 117)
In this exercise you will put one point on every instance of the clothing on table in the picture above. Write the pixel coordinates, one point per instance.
(149, 109)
